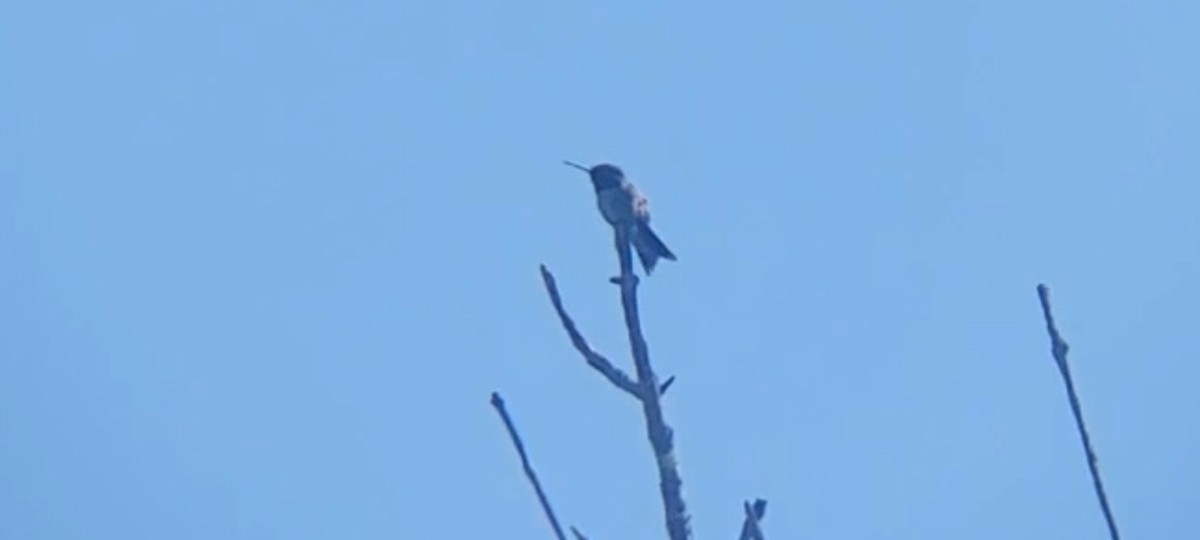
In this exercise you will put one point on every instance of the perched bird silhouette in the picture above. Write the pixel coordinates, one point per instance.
(628, 211)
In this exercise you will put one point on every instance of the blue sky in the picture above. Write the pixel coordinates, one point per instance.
(262, 263)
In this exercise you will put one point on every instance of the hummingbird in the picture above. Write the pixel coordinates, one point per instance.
(627, 210)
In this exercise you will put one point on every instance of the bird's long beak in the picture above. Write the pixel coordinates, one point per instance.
(577, 166)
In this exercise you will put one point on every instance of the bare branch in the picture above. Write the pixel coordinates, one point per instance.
(660, 435)
(1059, 348)
(598, 362)
(498, 404)
(578, 535)
(754, 514)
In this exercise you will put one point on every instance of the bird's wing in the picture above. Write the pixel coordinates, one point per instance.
(639, 202)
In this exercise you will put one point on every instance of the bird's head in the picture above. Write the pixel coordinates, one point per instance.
(604, 175)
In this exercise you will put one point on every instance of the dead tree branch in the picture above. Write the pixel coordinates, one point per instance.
(648, 392)
(657, 430)
(598, 362)
(1058, 348)
(498, 404)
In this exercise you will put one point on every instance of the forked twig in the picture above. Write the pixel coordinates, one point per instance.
(754, 514)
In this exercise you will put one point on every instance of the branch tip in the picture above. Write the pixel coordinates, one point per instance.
(498, 404)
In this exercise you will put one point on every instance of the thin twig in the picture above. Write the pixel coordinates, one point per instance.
(1059, 348)
(498, 404)
(661, 439)
(578, 535)
(598, 362)
(754, 514)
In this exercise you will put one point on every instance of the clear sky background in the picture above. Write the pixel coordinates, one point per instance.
(262, 263)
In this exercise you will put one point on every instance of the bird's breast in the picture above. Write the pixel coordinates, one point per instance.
(615, 206)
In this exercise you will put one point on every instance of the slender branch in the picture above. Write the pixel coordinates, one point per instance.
(498, 404)
(578, 535)
(660, 435)
(1059, 348)
(598, 362)
(754, 514)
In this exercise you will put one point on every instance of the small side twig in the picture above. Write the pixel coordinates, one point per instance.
(754, 514)
(662, 388)
(1059, 348)
(598, 362)
(578, 535)
(498, 404)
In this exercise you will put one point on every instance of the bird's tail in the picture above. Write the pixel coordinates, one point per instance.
(650, 248)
